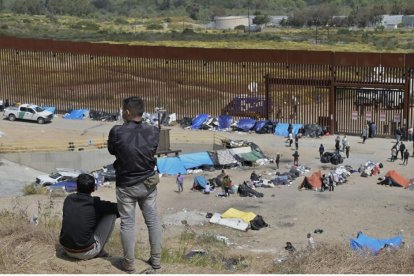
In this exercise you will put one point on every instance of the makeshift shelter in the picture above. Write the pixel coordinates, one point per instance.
(200, 182)
(170, 166)
(265, 126)
(224, 121)
(282, 129)
(77, 114)
(198, 121)
(246, 124)
(363, 242)
(195, 160)
(397, 179)
(313, 181)
(225, 158)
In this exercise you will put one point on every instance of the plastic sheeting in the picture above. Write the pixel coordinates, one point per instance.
(224, 121)
(362, 242)
(170, 165)
(225, 157)
(195, 160)
(246, 124)
(51, 109)
(282, 129)
(198, 121)
(234, 213)
(200, 181)
(77, 114)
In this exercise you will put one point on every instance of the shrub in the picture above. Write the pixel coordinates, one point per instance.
(188, 31)
(121, 21)
(154, 26)
(4, 26)
(33, 189)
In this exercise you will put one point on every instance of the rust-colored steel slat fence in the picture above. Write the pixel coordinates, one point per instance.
(338, 90)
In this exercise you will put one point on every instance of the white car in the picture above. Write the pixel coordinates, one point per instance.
(61, 174)
(28, 112)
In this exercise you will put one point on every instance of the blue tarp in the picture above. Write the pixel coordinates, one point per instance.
(170, 165)
(246, 124)
(224, 121)
(50, 109)
(77, 114)
(195, 160)
(200, 181)
(282, 129)
(198, 121)
(374, 245)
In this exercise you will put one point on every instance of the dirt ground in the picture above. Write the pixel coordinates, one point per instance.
(358, 205)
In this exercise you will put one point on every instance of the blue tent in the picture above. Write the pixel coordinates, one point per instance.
(170, 165)
(50, 109)
(246, 124)
(224, 121)
(77, 114)
(282, 129)
(374, 245)
(198, 121)
(200, 181)
(195, 160)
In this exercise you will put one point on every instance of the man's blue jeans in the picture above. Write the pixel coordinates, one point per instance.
(128, 198)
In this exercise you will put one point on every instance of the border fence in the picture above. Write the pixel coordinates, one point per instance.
(338, 90)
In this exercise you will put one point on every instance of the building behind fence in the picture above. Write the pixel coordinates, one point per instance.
(341, 91)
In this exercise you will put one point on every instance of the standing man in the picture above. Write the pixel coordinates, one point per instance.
(277, 160)
(364, 135)
(406, 155)
(295, 158)
(297, 142)
(134, 145)
(402, 149)
(321, 150)
(180, 182)
(347, 148)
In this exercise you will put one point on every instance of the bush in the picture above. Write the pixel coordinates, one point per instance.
(86, 25)
(154, 26)
(121, 21)
(188, 31)
(239, 28)
(33, 189)
(4, 27)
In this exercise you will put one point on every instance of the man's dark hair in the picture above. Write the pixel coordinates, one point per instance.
(135, 105)
(85, 183)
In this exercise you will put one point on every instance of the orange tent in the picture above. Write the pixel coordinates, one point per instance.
(398, 179)
(313, 182)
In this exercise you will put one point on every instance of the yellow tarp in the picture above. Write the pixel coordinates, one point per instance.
(234, 213)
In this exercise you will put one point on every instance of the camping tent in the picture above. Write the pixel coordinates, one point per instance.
(398, 179)
(362, 242)
(200, 182)
(198, 121)
(313, 182)
(282, 129)
(195, 160)
(77, 114)
(170, 165)
(246, 124)
(224, 121)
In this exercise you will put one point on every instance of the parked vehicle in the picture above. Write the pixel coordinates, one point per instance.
(62, 174)
(68, 185)
(108, 172)
(28, 112)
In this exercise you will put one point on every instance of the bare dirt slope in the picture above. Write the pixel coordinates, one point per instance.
(359, 205)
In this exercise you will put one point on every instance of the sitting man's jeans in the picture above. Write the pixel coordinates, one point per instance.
(127, 199)
(102, 233)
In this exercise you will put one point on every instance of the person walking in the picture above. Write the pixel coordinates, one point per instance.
(331, 183)
(134, 145)
(347, 148)
(344, 143)
(398, 135)
(406, 155)
(87, 221)
(337, 146)
(394, 153)
(402, 149)
(364, 135)
(321, 150)
(180, 182)
(297, 142)
(295, 158)
(290, 137)
(226, 185)
(277, 160)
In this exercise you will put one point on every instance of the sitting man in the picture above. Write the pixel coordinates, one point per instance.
(87, 221)
(254, 177)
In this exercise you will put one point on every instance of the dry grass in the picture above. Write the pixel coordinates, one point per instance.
(27, 248)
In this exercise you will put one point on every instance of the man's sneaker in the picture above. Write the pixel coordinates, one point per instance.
(127, 266)
(154, 266)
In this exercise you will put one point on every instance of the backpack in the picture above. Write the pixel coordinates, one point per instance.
(257, 223)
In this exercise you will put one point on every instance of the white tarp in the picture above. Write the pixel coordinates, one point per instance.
(235, 223)
(225, 157)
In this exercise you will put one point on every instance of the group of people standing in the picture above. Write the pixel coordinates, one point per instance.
(400, 147)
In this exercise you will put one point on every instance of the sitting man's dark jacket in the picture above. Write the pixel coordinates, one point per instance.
(134, 153)
(81, 214)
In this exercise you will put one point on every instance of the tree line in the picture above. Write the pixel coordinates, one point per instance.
(300, 12)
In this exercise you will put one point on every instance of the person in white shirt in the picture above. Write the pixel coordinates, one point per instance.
(207, 189)
(311, 242)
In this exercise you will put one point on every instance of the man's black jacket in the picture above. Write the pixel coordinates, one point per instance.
(81, 214)
(134, 146)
